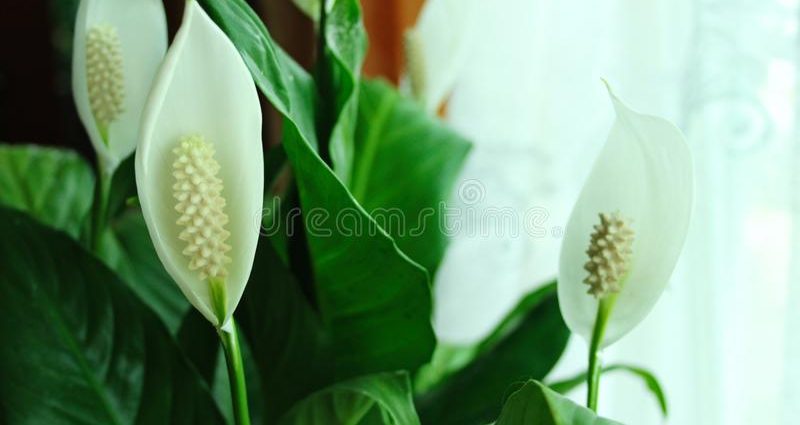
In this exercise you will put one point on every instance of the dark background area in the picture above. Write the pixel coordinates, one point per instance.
(36, 103)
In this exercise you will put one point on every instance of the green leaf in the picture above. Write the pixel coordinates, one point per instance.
(290, 347)
(647, 377)
(526, 345)
(535, 404)
(309, 7)
(128, 250)
(374, 301)
(55, 186)
(343, 45)
(376, 399)
(279, 78)
(517, 319)
(295, 352)
(123, 187)
(200, 342)
(52, 185)
(448, 359)
(395, 138)
(78, 346)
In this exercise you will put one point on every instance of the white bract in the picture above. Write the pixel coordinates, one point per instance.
(117, 50)
(199, 167)
(437, 49)
(628, 226)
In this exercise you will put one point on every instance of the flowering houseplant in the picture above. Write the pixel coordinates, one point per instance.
(110, 315)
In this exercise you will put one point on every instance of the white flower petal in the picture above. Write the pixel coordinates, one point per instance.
(203, 88)
(645, 173)
(444, 29)
(141, 27)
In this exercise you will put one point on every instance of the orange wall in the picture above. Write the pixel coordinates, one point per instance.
(386, 21)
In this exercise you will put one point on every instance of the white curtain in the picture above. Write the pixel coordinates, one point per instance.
(725, 337)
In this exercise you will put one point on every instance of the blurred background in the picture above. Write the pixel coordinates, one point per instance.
(522, 80)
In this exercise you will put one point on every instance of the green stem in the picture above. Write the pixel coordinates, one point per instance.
(233, 357)
(595, 354)
(99, 207)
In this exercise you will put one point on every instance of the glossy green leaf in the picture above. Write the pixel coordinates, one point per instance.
(535, 404)
(200, 342)
(79, 347)
(295, 352)
(376, 399)
(343, 45)
(53, 185)
(277, 76)
(647, 377)
(290, 347)
(376, 301)
(518, 317)
(309, 7)
(526, 345)
(448, 358)
(56, 187)
(277, 183)
(122, 191)
(128, 250)
(373, 299)
(406, 164)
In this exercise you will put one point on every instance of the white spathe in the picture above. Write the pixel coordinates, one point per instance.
(205, 90)
(444, 31)
(644, 172)
(141, 30)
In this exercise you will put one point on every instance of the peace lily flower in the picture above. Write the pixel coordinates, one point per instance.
(118, 47)
(628, 226)
(199, 167)
(437, 49)
(626, 231)
(416, 70)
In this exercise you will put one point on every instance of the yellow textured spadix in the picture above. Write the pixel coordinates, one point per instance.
(105, 79)
(609, 254)
(198, 193)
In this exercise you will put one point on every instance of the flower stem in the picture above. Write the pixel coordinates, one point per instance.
(595, 352)
(233, 357)
(99, 207)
